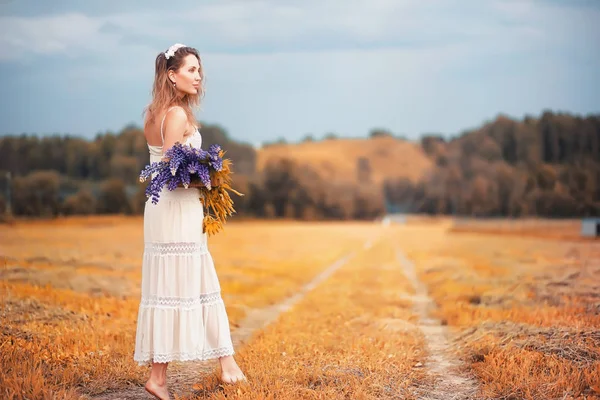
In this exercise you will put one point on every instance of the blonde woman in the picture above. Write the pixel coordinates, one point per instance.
(181, 315)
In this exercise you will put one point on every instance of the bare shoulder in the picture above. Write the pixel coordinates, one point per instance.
(176, 125)
(176, 120)
(176, 115)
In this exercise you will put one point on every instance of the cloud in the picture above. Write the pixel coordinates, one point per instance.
(44, 35)
(244, 26)
(290, 67)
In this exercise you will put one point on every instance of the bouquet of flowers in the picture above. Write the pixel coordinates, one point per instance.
(185, 166)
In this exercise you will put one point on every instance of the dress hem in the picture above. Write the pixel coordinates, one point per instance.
(149, 358)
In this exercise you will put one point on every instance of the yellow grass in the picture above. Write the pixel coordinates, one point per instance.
(523, 312)
(70, 291)
(352, 337)
(525, 309)
(561, 230)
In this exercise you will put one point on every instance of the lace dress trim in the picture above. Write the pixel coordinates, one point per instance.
(181, 248)
(181, 303)
(147, 357)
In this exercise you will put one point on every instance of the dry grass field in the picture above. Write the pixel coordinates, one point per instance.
(354, 311)
(560, 229)
(336, 159)
(524, 310)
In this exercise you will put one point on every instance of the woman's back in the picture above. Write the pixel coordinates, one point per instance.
(167, 127)
(152, 131)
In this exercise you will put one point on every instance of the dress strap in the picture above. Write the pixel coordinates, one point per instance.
(163, 122)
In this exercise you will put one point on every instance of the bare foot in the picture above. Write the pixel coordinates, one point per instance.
(230, 371)
(160, 391)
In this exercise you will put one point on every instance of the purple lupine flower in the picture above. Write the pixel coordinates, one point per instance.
(204, 175)
(214, 159)
(172, 184)
(177, 156)
(202, 154)
(217, 164)
(214, 149)
(193, 166)
(183, 177)
(185, 162)
(150, 169)
(156, 184)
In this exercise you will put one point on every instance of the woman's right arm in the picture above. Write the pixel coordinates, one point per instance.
(174, 129)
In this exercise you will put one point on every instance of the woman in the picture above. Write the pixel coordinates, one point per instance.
(181, 316)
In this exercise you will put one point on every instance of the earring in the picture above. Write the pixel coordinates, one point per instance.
(174, 84)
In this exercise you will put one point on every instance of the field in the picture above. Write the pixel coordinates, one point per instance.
(336, 159)
(420, 310)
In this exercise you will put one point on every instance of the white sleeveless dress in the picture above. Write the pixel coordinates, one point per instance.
(181, 315)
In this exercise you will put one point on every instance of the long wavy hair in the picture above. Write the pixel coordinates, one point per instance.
(165, 95)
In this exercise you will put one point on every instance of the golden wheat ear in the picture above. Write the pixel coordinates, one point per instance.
(211, 226)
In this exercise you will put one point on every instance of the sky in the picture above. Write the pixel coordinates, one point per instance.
(286, 69)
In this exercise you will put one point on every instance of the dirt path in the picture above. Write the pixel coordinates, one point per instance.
(442, 363)
(182, 376)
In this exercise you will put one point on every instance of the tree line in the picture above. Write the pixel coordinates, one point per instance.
(546, 166)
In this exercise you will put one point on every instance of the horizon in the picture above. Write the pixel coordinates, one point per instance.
(281, 70)
(315, 138)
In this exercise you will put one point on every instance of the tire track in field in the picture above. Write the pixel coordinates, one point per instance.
(261, 318)
(441, 362)
(181, 376)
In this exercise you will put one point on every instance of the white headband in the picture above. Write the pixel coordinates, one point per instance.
(171, 52)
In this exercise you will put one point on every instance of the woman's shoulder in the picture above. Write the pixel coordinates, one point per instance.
(175, 112)
(171, 113)
(175, 115)
(177, 119)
